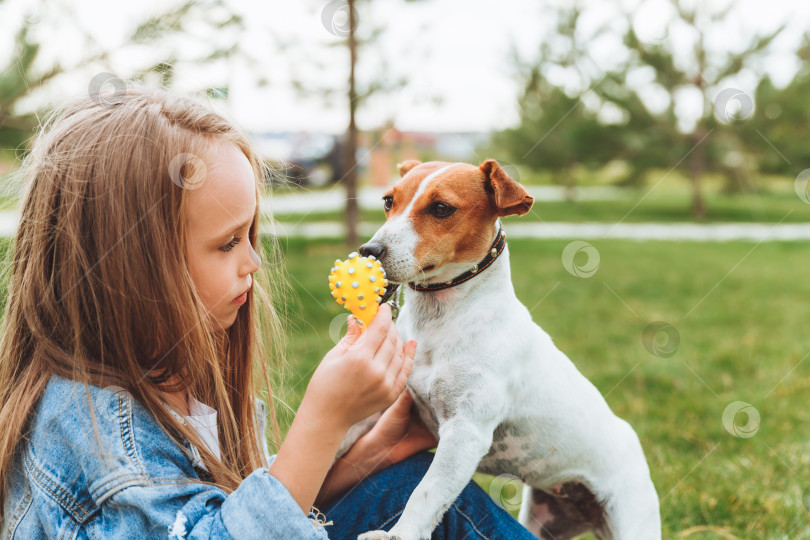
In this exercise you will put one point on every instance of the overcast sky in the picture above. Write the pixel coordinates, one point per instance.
(457, 50)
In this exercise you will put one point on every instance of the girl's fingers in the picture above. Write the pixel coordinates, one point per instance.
(397, 347)
(394, 369)
(353, 332)
(385, 353)
(390, 339)
(404, 371)
(410, 348)
(377, 330)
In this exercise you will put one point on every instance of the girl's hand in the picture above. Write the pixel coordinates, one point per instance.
(362, 374)
(398, 434)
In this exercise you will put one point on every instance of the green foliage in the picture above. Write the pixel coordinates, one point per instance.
(557, 131)
(18, 76)
(646, 140)
(559, 128)
(777, 132)
(15, 82)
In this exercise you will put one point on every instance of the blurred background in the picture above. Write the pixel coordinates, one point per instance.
(664, 141)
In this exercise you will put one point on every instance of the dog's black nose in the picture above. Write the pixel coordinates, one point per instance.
(373, 248)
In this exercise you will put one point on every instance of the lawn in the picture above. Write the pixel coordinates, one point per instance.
(740, 311)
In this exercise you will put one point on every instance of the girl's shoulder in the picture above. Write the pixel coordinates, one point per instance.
(95, 461)
(103, 434)
(82, 446)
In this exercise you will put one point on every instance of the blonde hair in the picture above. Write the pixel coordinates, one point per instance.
(99, 289)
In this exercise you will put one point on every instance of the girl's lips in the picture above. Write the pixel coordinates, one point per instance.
(239, 300)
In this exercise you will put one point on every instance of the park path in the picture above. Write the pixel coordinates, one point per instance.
(370, 198)
(754, 232)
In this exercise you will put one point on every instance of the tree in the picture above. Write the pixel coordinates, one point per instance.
(560, 128)
(358, 38)
(566, 127)
(705, 72)
(776, 133)
(350, 151)
(19, 76)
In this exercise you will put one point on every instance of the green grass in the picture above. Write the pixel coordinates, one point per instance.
(635, 207)
(741, 311)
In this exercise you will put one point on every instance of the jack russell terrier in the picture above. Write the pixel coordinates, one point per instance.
(489, 383)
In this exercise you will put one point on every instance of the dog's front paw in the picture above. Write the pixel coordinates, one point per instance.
(378, 535)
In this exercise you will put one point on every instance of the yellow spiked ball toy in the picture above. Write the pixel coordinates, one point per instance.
(358, 284)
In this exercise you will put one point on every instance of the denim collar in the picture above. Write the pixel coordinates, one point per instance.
(189, 448)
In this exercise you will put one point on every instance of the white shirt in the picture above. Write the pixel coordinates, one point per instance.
(204, 419)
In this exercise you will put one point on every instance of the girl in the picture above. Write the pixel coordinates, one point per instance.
(134, 331)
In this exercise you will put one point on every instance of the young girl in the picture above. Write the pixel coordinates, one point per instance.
(137, 322)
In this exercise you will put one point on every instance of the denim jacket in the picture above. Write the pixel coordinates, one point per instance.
(61, 485)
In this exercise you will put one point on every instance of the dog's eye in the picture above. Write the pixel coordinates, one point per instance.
(440, 209)
(388, 202)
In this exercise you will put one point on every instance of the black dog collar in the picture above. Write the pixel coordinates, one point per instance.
(494, 250)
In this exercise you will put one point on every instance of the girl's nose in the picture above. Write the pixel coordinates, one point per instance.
(255, 256)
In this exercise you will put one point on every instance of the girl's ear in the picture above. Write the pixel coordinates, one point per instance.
(508, 196)
(406, 166)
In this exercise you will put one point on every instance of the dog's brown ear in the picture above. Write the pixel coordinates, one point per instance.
(406, 166)
(508, 196)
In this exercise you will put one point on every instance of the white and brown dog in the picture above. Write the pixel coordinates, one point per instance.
(487, 381)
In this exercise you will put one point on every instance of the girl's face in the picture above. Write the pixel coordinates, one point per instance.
(220, 213)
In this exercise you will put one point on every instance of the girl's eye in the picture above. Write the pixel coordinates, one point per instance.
(229, 245)
(441, 209)
(389, 202)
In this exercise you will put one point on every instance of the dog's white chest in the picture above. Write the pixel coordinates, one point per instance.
(429, 382)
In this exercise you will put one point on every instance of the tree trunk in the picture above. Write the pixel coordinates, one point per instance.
(570, 183)
(350, 161)
(697, 165)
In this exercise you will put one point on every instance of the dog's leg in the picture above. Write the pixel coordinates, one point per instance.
(462, 444)
(633, 511)
(527, 515)
(562, 517)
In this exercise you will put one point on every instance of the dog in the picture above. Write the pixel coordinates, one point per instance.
(487, 381)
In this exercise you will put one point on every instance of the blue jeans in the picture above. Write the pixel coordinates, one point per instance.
(377, 503)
